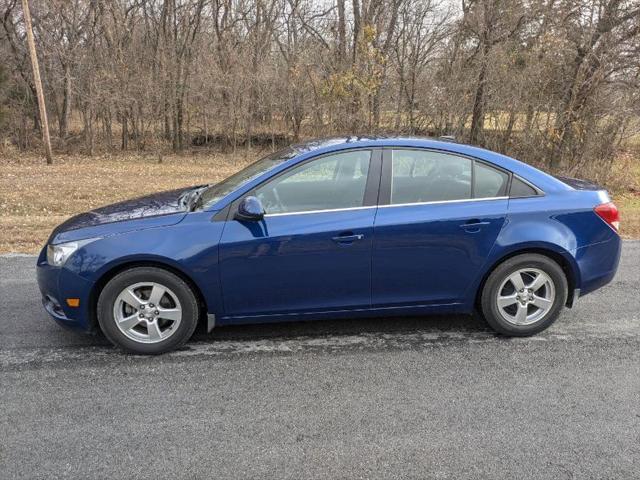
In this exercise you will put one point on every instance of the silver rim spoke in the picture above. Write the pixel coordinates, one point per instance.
(516, 280)
(154, 331)
(131, 298)
(169, 313)
(521, 314)
(128, 323)
(525, 296)
(157, 292)
(507, 300)
(541, 302)
(539, 281)
(147, 312)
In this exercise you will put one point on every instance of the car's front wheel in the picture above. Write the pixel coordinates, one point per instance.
(147, 310)
(524, 295)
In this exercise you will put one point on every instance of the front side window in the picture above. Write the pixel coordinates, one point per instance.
(331, 182)
(424, 176)
(217, 191)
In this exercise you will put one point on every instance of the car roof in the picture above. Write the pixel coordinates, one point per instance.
(540, 179)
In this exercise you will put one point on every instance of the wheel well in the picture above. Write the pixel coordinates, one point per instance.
(97, 288)
(556, 257)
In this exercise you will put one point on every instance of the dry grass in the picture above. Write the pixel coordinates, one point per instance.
(627, 198)
(629, 205)
(34, 198)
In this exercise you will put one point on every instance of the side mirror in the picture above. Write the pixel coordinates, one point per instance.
(250, 209)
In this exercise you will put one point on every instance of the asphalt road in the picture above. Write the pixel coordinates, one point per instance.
(389, 398)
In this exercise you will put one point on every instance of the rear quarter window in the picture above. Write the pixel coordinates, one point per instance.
(520, 189)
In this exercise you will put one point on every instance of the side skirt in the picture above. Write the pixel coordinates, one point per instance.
(409, 310)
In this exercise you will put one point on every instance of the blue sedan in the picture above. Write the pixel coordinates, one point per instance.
(341, 227)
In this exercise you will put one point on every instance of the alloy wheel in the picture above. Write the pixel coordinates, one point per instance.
(525, 296)
(147, 312)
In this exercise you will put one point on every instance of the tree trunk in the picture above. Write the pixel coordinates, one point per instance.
(66, 103)
(108, 127)
(506, 137)
(342, 35)
(125, 133)
(477, 118)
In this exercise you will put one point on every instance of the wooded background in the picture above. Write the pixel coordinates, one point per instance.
(552, 82)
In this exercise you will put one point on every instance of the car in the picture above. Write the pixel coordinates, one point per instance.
(335, 228)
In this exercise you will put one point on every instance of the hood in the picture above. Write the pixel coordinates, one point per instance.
(154, 205)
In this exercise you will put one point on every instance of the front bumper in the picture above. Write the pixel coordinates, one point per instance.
(56, 285)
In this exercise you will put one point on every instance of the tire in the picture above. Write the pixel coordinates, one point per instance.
(532, 310)
(129, 296)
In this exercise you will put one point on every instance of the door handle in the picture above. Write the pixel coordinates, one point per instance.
(473, 223)
(473, 226)
(348, 238)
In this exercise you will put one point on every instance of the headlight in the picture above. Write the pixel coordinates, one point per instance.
(58, 254)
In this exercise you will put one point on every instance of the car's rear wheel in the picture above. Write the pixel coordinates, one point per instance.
(524, 295)
(147, 310)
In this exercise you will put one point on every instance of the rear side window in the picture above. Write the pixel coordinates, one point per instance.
(419, 176)
(521, 189)
(489, 182)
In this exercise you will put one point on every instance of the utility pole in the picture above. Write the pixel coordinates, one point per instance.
(44, 122)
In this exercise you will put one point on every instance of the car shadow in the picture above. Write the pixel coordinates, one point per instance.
(449, 324)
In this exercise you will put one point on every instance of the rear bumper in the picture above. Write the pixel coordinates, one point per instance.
(598, 264)
(56, 285)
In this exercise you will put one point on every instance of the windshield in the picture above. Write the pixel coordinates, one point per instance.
(217, 191)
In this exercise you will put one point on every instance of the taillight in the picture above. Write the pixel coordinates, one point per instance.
(610, 214)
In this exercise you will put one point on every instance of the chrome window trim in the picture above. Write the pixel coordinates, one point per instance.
(329, 210)
(386, 206)
(437, 202)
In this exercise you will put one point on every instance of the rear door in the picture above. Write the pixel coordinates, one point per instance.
(312, 251)
(439, 217)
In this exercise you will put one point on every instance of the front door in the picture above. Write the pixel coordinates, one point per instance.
(441, 216)
(312, 251)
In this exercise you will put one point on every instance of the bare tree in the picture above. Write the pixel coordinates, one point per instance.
(554, 82)
(602, 34)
